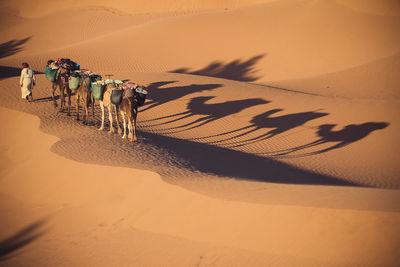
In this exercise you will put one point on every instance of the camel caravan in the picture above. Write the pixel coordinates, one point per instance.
(117, 96)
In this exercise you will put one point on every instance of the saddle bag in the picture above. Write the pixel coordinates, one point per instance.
(116, 96)
(140, 96)
(51, 73)
(74, 82)
(97, 90)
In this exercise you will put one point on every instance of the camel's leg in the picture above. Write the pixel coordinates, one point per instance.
(110, 119)
(69, 102)
(86, 106)
(294, 149)
(62, 99)
(92, 98)
(102, 115)
(134, 124)
(124, 124)
(53, 89)
(117, 119)
(87, 103)
(86, 120)
(130, 134)
(77, 107)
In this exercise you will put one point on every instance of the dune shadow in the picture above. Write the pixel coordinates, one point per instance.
(223, 162)
(341, 138)
(9, 247)
(12, 47)
(238, 70)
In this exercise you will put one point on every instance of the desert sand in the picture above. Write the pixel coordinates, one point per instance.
(269, 136)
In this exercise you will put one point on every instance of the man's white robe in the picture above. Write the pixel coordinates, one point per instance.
(26, 81)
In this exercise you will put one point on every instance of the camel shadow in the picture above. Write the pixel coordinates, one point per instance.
(209, 112)
(9, 247)
(159, 95)
(348, 135)
(12, 47)
(277, 124)
(237, 70)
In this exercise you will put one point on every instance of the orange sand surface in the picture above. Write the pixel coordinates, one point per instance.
(269, 136)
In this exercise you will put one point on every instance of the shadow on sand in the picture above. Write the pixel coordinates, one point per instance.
(12, 47)
(237, 70)
(159, 95)
(209, 112)
(225, 162)
(348, 135)
(8, 49)
(274, 125)
(8, 72)
(13, 245)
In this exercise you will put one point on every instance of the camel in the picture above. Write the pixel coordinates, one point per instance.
(129, 110)
(105, 101)
(83, 91)
(63, 85)
(61, 81)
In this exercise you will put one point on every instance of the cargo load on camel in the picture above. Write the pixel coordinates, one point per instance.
(134, 90)
(53, 66)
(139, 96)
(75, 79)
(67, 63)
(51, 70)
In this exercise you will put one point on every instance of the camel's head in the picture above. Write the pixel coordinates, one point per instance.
(258, 101)
(375, 125)
(201, 99)
(143, 86)
(272, 111)
(326, 126)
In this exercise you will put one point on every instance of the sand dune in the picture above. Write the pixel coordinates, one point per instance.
(101, 203)
(347, 38)
(44, 7)
(269, 137)
(375, 80)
